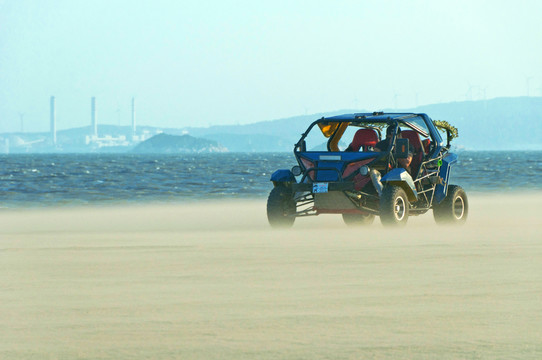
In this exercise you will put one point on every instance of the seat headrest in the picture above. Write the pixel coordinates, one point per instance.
(413, 138)
(364, 137)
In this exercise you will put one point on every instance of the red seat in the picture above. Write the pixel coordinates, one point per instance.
(426, 145)
(413, 139)
(364, 138)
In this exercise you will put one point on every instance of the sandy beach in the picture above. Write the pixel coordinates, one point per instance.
(212, 280)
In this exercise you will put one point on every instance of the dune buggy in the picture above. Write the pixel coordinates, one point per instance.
(342, 171)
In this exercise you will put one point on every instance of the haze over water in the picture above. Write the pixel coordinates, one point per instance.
(53, 180)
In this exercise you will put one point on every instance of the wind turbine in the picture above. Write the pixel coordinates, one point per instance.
(395, 96)
(118, 114)
(527, 83)
(21, 117)
(483, 92)
(468, 94)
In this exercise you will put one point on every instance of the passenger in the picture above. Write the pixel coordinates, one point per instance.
(385, 144)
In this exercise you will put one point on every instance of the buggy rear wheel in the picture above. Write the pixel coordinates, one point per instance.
(394, 206)
(454, 209)
(358, 219)
(281, 207)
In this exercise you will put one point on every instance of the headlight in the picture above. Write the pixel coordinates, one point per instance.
(364, 170)
(296, 170)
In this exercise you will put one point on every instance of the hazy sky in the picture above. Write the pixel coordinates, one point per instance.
(200, 63)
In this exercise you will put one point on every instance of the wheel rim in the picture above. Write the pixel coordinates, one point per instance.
(399, 208)
(459, 208)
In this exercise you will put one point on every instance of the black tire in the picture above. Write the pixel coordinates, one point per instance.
(280, 207)
(454, 209)
(358, 219)
(394, 206)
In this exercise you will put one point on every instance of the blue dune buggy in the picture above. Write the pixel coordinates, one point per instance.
(343, 168)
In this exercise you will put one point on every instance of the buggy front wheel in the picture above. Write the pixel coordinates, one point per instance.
(281, 207)
(394, 206)
(454, 209)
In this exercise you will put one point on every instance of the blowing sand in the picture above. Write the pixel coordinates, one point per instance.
(213, 281)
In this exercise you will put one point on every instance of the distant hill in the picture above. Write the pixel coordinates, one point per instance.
(171, 144)
(495, 124)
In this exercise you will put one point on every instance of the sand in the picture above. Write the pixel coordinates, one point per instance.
(213, 281)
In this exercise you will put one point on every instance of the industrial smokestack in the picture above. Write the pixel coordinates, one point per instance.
(133, 117)
(94, 123)
(53, 120)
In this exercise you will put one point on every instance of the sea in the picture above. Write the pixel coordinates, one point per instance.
(59, 180)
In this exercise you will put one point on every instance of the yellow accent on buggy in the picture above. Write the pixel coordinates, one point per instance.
(334, 129)
(328, 128)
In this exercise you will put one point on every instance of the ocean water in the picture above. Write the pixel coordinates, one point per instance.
(41, 180)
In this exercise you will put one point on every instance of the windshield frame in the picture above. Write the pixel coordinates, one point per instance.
(377, 121)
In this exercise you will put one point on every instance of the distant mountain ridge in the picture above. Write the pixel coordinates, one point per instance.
(495, 124)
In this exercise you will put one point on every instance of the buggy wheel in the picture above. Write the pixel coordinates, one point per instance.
(280, 207)
(454, 209)
(358, 219)
(394, 206)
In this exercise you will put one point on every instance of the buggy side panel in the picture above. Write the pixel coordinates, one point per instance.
(444, 174)
(283, 176)
(402, 178)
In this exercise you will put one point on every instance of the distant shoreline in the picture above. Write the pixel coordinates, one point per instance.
(512, 122)
(112, 153)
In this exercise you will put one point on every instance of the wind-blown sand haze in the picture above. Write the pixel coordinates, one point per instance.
(212, 280)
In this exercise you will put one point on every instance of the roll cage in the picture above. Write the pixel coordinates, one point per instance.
(332, 127)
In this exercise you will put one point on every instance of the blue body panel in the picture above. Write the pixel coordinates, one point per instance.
(329, 175)
(401, 177)
(444, 174)
(283, 175)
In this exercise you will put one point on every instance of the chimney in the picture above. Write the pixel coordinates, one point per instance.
(94, 124)
(53, 120)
